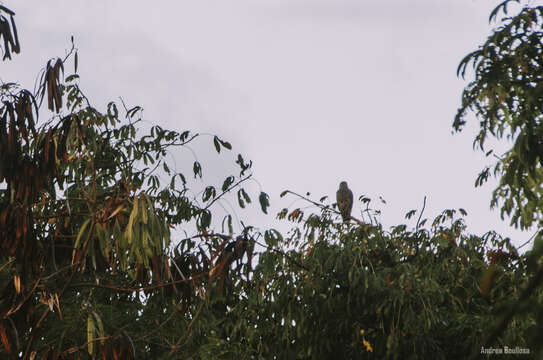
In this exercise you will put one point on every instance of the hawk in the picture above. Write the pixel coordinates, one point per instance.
(344, 198)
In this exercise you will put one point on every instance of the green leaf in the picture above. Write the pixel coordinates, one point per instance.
(184, 136)
(272, 237)
(72, 77)
(244, 166)
(226, 144)
(132, 112)
(144, 216)
(245, 196)
(209, 192)
(112, 110)
(217, 145)
(197, 168)
(79, 236)
(130, 226)
(205, 219)
(443, 242)
(90, 334)
(503, 5)
(240, 200)
(264, 202)
(227, 182)
(473, 56)
(228, 220)
(100, 329)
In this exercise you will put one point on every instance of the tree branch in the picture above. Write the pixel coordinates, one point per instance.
(421, 212)
(140, 288)
(227, 190)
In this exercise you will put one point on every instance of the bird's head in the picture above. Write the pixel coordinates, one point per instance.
(343, 185)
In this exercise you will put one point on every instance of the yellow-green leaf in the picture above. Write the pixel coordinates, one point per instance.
(79, 235)
(90, 333)
(116, 211)
(129, 226)
(143, 212)
(101, 332)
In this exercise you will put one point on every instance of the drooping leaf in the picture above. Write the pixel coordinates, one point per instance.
(264, 202)
(225, 144)
(197, 169)
(90, 334)
(227, 183)
(216, 143)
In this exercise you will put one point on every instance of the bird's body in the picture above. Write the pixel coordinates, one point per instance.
(344, 198)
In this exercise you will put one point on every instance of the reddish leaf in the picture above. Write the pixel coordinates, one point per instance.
(5, 341)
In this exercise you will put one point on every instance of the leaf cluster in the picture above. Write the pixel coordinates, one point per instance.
(360, 292)
(87, 209)
(506, 96)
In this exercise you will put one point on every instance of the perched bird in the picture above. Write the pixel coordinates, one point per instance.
(344, 198)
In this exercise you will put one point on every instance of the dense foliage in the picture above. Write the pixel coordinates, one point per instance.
(86, 211)
(91, 268)
(360, 292)
(506, 96)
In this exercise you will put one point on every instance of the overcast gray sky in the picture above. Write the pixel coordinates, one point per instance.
(313, 91)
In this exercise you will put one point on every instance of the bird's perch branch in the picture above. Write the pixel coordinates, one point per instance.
(324, 207)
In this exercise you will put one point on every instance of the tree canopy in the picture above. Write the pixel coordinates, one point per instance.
(505, 95)
(91, 267)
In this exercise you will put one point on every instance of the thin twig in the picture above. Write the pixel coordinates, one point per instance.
(176, 345)
(140, 288)
(282, 253)
(30, 293)
(420, 215)
(530, 239)
(313, 202)
(60, 270)
(157, 329)
(227, 190)
(6, 264)
(81, 347)
(70, 52)
(15, 332)
(359, 222)
(324, 207)
(37, 326)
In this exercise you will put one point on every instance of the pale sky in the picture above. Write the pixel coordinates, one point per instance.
(313, 91)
